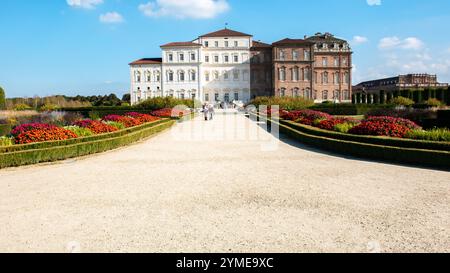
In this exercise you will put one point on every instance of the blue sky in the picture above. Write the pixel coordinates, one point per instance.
(84, 46)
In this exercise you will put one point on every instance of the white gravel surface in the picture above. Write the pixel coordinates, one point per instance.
(177, 193)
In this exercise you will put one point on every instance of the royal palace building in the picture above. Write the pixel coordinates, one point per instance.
(228, 65)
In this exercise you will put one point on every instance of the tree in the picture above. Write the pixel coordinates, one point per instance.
(126, 98)
(2, 99)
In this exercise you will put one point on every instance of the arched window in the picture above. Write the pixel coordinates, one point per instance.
(158, 76)
(283, 92)
(346, 78)
(295, 75)
(137, 76)
(207, 76)
(181, 76)
(336, 95)
(148, 76)
(282, 73)
(325, 78)
(216, 75)
(337, 76)
(307, 74)
(325, 95)
(307, 93)
(193, 75)
(296, 92)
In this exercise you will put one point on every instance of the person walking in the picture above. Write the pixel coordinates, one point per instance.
(211, 112)
(206, 111)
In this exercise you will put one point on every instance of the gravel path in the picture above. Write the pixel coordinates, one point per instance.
(172, 193)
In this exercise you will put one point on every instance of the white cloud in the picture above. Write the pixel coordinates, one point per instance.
(111, 18)
(195, 9)
(374, 2)
(85, 4)
(394, 42)
(357, 40)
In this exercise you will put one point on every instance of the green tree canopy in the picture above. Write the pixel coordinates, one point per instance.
(2, 99)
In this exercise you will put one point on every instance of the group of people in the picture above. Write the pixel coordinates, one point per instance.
(208, 111)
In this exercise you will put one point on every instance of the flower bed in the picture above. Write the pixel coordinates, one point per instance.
(371, 126)
(125, 120)
(169, 112)
(43, 132)
(41, 135)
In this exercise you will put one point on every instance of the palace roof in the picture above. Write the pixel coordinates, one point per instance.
(147, 61)
(181, 44)
(225, 33)
(288, 41)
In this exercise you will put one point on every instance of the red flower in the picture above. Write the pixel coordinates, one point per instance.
(144, 118)
(384, 126)
(41, 135)
(97, 127)
(126, 121)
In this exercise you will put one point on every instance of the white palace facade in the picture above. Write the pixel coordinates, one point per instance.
(215, 67)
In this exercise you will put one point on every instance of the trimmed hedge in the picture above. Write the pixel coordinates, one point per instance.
(49, 144)
(348, 109)
(421, 157)
(61, 152)
(104, 111)
(385, 141)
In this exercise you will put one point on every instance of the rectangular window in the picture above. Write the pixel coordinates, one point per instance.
(216, 59)
(207, 77)
(236, 74)
(226, 59)
(295, 55)
(170, 57)
(206, 97)
(344, 61)
(206, 59)
(206, 44)
(324, 62)
(236, 44)
(193, 76)
(236, 58)
(226, 43)
(192, 56)
(225, 76)
(181, 57)
(236, 96)
(336, 61)
(216, 44)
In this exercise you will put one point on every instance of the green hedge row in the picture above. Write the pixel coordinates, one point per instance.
(421, 157)
(27, 157)
(348, 109)
(385, 141)
(5, 129)
(49, 144)
(100, 112)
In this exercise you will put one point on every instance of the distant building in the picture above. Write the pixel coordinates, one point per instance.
(398, 83)
(382, 90)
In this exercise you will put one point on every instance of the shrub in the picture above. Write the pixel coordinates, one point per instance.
(416, 115)
(434, 103)
(166, 102)
(384, 126)
(286, 103)
(437, 134)
(330, 124)
(5, 141)
(22, 107)
(29, 127)
(49, 107)
(97, 127)
(344, 127)
(402, 101)
(79, 131)
(118, 125)
(41, 135)
(126, 121)
(142, 117)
